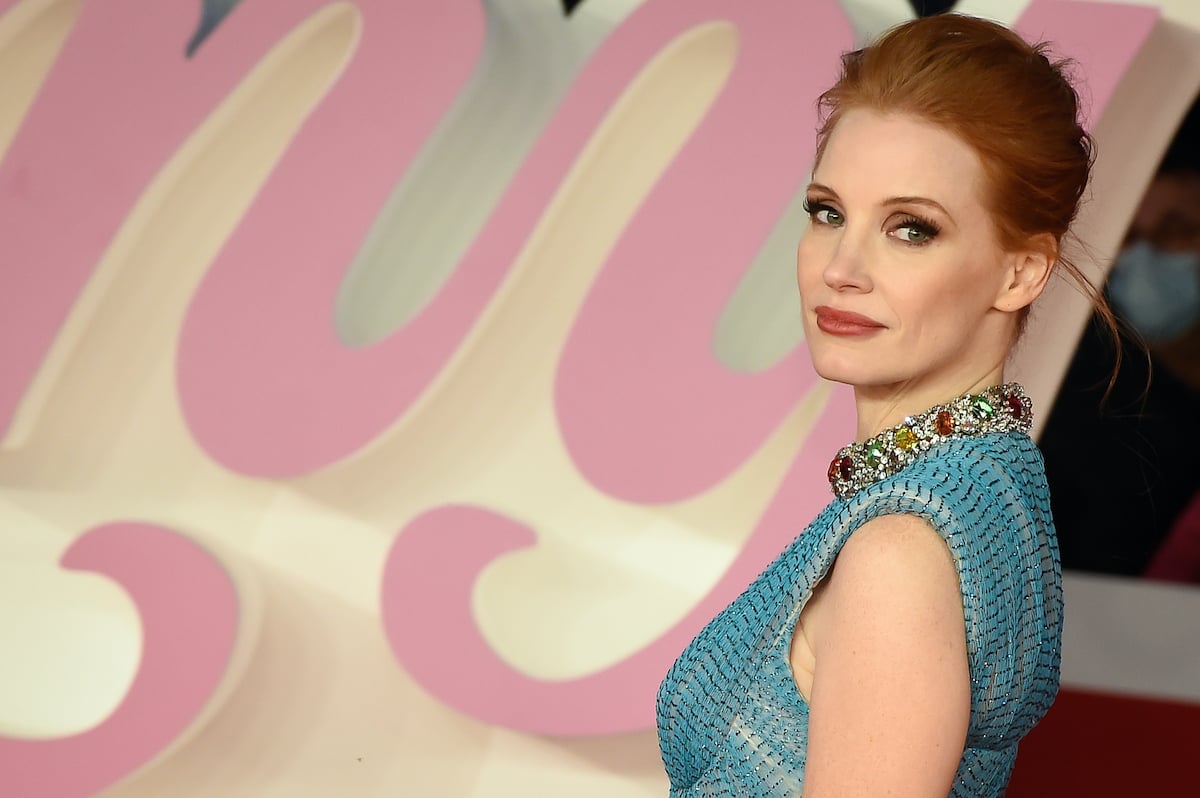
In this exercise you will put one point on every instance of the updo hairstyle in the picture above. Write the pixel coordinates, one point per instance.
(1003, 97)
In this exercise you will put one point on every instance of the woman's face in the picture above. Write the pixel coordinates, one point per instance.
(900, 269)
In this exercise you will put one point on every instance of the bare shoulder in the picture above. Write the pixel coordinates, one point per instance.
(902, 545)
(891, 686)
(895, 581)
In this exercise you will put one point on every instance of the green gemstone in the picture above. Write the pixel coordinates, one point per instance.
(874, 455)
(982, 407)
(905, 438)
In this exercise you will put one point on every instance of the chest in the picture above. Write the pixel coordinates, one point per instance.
(730, 702)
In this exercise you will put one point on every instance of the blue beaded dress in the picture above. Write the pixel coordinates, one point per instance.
(731, 721)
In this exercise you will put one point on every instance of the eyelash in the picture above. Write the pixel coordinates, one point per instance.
(926, 227)
(813, 207)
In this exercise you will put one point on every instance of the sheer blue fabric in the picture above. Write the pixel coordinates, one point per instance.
(730, 719)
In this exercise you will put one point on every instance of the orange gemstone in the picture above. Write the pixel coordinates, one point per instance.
(944, 423)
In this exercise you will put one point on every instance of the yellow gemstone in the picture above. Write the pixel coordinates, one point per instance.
(905, 438)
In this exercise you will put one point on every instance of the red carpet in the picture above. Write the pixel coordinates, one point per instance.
(1099, 745)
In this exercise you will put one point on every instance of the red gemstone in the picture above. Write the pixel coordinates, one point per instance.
(833, 471)
(1016, 406)
(944, 423)
(846, 468)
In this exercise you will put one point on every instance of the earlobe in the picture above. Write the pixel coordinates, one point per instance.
(1027, 274)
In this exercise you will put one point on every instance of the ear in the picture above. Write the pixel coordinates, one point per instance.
(1027, 272)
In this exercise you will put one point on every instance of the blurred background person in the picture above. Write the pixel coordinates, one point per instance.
(1124, 478)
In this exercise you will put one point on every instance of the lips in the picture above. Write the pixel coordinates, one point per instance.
(844, 323)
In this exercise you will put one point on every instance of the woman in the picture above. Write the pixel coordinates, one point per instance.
(906, 641)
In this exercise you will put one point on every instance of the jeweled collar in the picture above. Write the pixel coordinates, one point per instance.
(1001, 408)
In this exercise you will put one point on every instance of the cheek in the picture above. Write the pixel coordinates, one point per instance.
(808, 268)
(930, 307)
(946, 310)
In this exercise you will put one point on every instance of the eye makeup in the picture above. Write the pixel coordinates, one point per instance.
(926, 228)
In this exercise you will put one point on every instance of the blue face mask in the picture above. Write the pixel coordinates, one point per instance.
(1157, 292)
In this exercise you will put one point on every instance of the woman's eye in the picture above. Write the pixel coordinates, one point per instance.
(829, 216)
(823, 214)
(911, 234)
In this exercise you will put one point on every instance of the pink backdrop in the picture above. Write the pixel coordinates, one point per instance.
(182, 418)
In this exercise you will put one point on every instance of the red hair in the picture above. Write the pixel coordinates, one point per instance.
(1016, 108)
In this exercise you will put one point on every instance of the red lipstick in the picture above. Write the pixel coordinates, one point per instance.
(844, 323)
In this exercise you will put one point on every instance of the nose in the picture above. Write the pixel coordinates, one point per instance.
(845, 269)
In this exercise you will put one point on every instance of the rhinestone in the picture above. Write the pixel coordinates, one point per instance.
(905, 439)
(997, 409)
(944, 423)
(1015, 406)
(874, 454)
(982, 407)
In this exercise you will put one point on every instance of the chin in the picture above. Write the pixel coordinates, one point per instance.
(857, 369)
(838, 367)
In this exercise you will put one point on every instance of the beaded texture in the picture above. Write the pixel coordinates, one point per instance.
(998, 409)
(730, 719)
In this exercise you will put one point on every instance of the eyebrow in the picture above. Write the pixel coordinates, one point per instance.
(904, 200)
(917, 201)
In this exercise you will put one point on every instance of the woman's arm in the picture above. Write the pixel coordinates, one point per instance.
(891, 693)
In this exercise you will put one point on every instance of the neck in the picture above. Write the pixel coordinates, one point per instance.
(881, 406)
